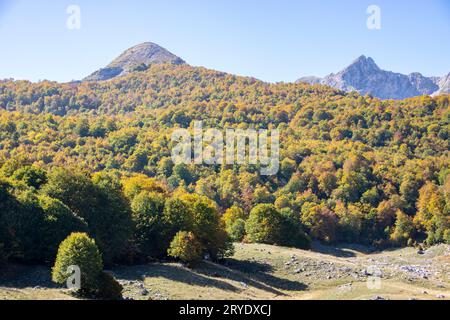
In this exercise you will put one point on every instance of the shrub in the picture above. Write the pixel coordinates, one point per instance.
(139, 67)
(185, 247)
(79, 250)
(108, 287)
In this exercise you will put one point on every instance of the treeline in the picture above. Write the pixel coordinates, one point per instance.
(131, 219)
(353, 168)
(73, 219)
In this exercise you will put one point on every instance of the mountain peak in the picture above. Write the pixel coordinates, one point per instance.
(364, 76)
(361, 59)
(364, 63)
(141, 55)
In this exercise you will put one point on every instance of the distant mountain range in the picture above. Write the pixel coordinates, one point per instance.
(135, 59)
(365, 77)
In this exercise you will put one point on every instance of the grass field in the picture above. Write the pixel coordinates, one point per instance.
(269, 272)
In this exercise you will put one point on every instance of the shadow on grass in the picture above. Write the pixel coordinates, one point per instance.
(172, 272)
(24, 276)
(341, 251)
(259, 275)
(208, 274)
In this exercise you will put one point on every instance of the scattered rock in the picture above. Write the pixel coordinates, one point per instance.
(416, 271)
(140, 285)
(144, 292)
(440, 296)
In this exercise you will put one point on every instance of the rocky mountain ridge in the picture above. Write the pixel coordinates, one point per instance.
(365, 77)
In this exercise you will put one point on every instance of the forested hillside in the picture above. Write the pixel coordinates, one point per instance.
(353, 168)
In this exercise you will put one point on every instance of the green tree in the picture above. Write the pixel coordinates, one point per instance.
(433, 214)
(147, 212)
(31, 176)
(403, 230)
(292, 233)
(111, 221)
(263, 224)
(208, 226)
(185, 247)
(59, 223)
(81, 251)
(321, 221)
(177, 216)
(100, 202)
(236, 230)
(232, 214)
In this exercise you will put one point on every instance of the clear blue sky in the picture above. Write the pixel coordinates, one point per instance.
(276, 40)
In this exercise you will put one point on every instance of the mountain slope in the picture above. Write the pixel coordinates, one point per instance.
(364, 76)
(356, 161)
(444, 84)
(139, 56)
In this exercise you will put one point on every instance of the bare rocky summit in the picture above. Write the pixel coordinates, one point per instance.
(134, 59)
(444, 84)
(365, 77)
